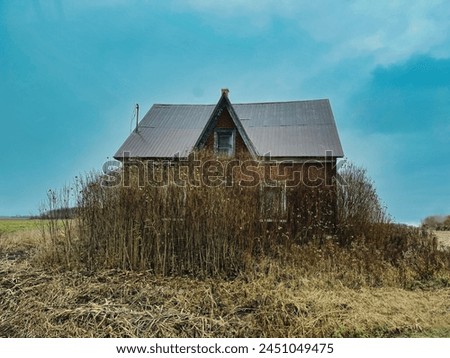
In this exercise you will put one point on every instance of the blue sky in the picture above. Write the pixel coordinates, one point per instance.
(71, 72)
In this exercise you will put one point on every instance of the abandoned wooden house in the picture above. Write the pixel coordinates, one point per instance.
(298, 139)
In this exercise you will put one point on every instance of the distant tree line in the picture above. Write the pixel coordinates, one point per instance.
(60, 213)
(437, 222)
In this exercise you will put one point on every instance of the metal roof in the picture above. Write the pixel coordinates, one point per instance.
(283, 129)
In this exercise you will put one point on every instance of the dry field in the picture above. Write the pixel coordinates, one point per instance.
(443, 238)
(272, 302)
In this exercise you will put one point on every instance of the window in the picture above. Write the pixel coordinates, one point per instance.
(224, 142)
(273, 202)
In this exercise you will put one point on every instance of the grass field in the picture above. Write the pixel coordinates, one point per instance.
(36, 301)
(14, 225)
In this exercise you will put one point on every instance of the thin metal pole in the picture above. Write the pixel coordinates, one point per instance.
(137, 116)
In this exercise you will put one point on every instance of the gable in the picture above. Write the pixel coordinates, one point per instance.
(224, 122)
(224, 117)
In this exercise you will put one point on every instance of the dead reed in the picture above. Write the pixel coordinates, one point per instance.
(225, 231)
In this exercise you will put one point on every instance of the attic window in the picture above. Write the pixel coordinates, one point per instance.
(224, 142)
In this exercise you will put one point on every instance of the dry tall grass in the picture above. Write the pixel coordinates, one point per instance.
(277, 303)
(204, 231)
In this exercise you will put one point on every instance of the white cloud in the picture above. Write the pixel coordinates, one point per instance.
(383, 31)
(394, 33)
(386, 31)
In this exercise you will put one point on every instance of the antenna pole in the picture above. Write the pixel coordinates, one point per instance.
(137, 116)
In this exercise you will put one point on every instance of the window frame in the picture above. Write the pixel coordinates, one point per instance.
(280, 197)
(232, 133)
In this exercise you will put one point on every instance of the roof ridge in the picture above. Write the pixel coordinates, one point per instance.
(181, 104)
(234, 104)
(280, 102)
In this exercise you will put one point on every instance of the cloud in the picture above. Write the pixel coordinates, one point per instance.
(409, 97)
(385, 31)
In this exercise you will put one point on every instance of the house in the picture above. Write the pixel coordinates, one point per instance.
(298, 139)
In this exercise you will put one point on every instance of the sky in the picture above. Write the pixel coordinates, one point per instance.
(72, 71)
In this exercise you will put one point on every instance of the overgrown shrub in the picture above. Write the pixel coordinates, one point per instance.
(359, 209)
(436, 222)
